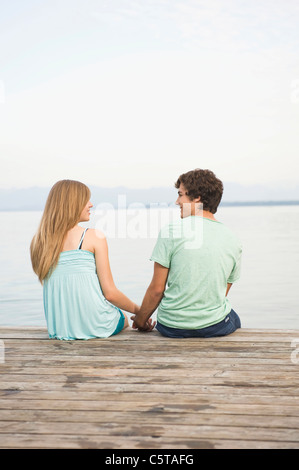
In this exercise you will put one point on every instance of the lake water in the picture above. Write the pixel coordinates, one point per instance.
(266, 296)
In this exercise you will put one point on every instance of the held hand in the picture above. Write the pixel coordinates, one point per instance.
(148, 326)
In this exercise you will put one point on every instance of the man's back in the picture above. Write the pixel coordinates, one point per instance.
(203, 256)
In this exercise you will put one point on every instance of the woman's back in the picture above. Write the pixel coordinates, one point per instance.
(81, 300)
(75, 307)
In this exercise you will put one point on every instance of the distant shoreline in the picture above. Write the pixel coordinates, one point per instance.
(147, 206)
(261, 203)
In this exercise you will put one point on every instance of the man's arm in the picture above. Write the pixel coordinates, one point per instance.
(151, 299)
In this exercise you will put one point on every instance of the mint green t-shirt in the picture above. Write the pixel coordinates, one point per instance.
(203, 256)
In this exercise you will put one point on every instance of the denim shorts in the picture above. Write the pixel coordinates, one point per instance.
(227, 326)
(121, 323)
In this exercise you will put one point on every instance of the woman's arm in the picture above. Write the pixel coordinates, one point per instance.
(110, 291)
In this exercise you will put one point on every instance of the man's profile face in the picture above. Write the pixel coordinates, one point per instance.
(188, 206)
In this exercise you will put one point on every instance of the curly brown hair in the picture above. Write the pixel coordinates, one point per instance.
(203, 184)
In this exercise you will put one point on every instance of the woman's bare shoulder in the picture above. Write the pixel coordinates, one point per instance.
(96, 236)
(96, 242)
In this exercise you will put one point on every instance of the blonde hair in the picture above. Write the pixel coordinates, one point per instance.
(63, 208)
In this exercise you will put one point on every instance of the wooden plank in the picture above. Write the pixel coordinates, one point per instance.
(228, 379)
(254, 414)
(209, 368)
(129, 337)
(240, 335)
(94, 401)
(82, 441)
(167, 383)
(172, 430)
(67, 426)
(235, 389)
(255, 350)
(132, 357)
(206, 396)
(241, 363)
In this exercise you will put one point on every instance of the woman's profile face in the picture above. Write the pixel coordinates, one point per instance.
(85, 214)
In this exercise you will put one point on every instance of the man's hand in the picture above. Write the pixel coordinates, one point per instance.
(151, 300)
(148, 326)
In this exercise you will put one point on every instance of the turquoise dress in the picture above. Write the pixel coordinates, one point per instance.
(74, 304)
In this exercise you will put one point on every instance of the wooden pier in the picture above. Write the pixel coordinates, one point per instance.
(142, 391)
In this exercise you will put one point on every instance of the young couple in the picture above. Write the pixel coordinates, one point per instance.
(196, 260)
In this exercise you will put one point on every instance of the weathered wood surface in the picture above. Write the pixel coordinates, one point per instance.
(142, 391)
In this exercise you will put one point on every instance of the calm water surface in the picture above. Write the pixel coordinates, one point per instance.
(266, 296)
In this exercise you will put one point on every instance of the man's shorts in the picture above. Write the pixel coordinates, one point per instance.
(227, 326)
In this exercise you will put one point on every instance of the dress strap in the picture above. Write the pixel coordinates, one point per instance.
(82, 238)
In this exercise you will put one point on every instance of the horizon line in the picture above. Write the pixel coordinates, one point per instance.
(148, 205)
(49, 186)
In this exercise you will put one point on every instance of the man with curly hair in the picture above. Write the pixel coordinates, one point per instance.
(196, 261)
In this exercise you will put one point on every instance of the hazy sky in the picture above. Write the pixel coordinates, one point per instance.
(135, 92)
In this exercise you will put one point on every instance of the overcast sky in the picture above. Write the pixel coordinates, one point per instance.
(135, 92)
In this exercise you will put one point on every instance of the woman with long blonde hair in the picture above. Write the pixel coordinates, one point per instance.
(81, 300)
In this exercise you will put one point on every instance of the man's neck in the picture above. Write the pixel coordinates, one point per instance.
(208, 215)
(205, 214)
